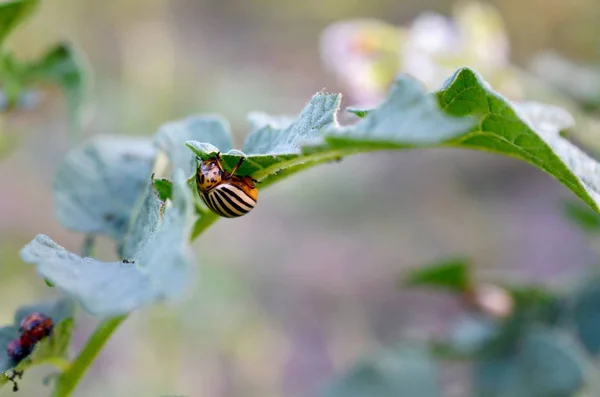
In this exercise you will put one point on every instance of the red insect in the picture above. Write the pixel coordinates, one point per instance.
(34, 327)
(17, 350)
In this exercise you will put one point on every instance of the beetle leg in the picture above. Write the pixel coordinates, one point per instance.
(237, 166)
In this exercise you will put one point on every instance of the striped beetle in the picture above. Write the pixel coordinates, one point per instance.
(225, 193)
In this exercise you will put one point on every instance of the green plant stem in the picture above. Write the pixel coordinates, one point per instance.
(69, 379)
(207, 219)
(58, 362)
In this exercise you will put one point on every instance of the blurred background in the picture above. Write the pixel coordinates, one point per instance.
(296, 292)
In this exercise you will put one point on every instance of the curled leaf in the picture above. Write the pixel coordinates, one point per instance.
(157, 271)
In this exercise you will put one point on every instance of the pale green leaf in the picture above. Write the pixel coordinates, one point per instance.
(208, 129)
(546, 363)
(397, 372)
(97, 184)
(145, 220)
(472, 116)
(408, 118)
(161, 270)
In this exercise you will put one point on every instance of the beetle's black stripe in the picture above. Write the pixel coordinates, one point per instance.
(208, 200)
(239, 202)
(235, 207)
(228, 201)
(218, 205)
(225, 210)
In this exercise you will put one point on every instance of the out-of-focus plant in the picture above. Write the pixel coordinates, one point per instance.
(143, 194)
(579, 82)
(367, 55)
(22, 82)
(521, 341)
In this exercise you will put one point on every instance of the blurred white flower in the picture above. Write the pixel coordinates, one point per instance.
(356, 51)
(367, 55)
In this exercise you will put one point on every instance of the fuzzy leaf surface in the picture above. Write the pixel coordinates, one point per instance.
(410, 117)
(466, 113)
(160, 272)
(528, 131)
(209, 129)
(98, 183)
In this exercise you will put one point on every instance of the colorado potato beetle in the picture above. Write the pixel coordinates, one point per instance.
(36, 326)
(226, 194)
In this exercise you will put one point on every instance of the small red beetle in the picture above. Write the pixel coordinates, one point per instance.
(17, 350)
(35, 327)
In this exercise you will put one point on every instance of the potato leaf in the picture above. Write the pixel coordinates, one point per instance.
(157, 271)
(97, 184)
(465, 113)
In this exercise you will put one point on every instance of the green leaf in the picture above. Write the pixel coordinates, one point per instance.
(145, 220)
(408, 118)
(529, 132)
(51, 350)
(452, 274)
(161, 270)
(472, 116)
(362, 113)
(172, 136)
(548, 363)
(97, 184)
(259, 120)
(64, 66)
(396, 372)
(12, 13)
(582, 216)
(472, 334)
(164, 187)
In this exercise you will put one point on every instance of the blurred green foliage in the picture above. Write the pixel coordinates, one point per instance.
(20, 81)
